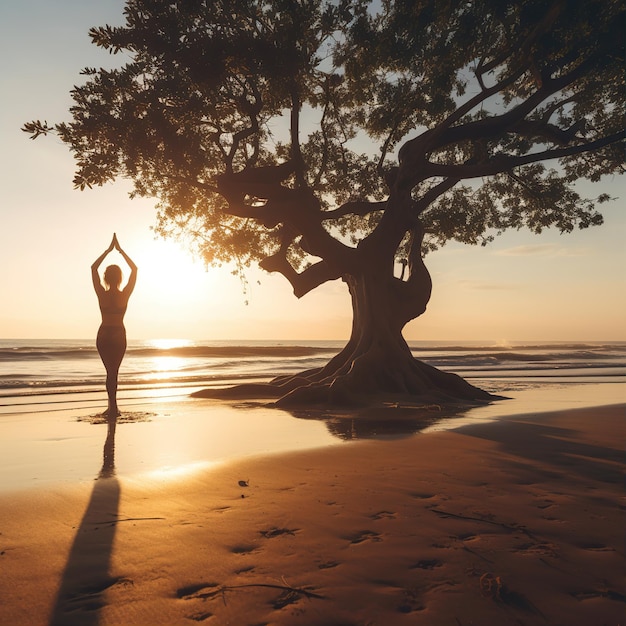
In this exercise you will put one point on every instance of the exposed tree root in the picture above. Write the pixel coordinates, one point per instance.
(365, 382)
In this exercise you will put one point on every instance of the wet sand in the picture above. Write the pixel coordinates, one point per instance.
(514, 521)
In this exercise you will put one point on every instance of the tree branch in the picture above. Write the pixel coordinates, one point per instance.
(414, 292)
(507, 162)
(324, 160)
(266, 214)
(523, 48)
(550, 132)
(240, 136)
(303, 282)
(411, 153)
(385, 148)
(354, 208)
(261, 182)
(494, 125)
(555, 106)
(253, 110)
(429, 138)
(433, 193)
(296, 152)
(194, 183)
(522, 51)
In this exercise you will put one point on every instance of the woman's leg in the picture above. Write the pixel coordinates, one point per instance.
(111, 386)
(111, 345)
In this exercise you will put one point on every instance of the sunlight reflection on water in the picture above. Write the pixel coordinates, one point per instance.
(178, 435)
(180, 471)
(551, 397)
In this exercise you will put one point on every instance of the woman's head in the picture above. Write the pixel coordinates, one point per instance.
(113, 276)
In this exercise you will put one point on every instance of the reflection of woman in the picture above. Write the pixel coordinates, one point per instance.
(111, 341)
(108, 456)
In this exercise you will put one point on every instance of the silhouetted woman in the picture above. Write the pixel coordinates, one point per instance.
(111, 341)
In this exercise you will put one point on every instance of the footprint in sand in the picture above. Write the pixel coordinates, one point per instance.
(364, 535)
(383, 515)
(244, 549)
(596, 547)
(286, 598)
(592, 594)
(543, 502)
(200, 590)
(541, 549)
(220, 509)
(91, 597)
(199, 617)
(427, 564)
(270, 533)
(411, 602)
(423, 496)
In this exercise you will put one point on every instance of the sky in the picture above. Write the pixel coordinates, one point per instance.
(522, 287)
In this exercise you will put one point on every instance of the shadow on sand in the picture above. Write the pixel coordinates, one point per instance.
(87, 573)
(554, 448)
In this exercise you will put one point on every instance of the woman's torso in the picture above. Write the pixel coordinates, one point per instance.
(113, 305)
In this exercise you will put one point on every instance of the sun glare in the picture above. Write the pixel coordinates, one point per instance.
(175, 472)
(174, 293)
(166, 264)
(167, 344)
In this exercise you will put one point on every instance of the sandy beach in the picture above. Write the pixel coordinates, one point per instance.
(514, 521)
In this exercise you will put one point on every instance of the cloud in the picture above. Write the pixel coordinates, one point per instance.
(543, 249)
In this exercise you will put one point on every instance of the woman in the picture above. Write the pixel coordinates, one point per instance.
(111, 341)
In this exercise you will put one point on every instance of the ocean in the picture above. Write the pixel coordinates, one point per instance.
(52, 396)
(49, 372)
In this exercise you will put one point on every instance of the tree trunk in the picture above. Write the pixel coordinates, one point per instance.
(377, 362)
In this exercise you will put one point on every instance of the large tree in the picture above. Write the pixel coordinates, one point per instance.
(343, 139)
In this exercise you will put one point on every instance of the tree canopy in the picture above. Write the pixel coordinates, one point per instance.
(332, 139)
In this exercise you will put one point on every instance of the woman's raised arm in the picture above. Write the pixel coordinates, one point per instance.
(132, 280)
(95, 277)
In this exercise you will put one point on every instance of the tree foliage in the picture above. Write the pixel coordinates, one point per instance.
(477, 97)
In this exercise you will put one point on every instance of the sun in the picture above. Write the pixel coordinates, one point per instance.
(167, 260)
(165, 264)
(177, 296)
